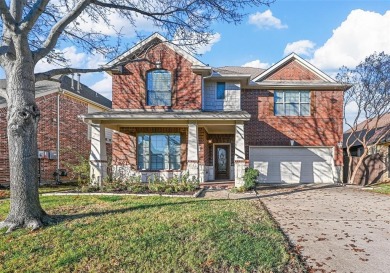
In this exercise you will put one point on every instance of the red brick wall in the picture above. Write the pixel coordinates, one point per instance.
(293, 71)
(73, 135)
(129, 89)
(124, 144)
(322, 128)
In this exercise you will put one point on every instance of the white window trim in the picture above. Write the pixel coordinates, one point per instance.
(299, 103)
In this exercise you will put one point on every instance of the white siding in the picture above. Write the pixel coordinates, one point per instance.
(94, 109)
(232, 101)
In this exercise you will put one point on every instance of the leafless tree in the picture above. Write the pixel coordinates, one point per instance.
(370, 93)
(31, 31)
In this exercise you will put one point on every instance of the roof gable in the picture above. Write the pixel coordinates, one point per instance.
(155, 38)
(293, 67)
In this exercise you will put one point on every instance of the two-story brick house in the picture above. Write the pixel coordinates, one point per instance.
(62, 137)
(173, 114)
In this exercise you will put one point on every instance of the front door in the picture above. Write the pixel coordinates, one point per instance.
(222, 162)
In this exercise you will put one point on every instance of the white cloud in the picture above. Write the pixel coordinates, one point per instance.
(201, 49)
(266, 20)
(256, 63)
(302, 47)
(188, 42)
(75, 59)
(351, 111)
(362, 33)
(104, 86)
(118, 24)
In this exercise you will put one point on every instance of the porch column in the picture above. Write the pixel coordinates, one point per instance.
(239, 154)
(98, 156)
(192, 150)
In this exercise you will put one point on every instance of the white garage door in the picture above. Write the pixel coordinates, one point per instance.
(292, 164)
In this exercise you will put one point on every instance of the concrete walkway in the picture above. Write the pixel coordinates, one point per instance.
(336, 229)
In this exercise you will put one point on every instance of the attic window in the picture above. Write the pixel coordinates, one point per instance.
(158, 84)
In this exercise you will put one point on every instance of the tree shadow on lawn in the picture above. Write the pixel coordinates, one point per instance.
(59, 218)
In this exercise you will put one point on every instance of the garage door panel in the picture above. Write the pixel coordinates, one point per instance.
(292, 164)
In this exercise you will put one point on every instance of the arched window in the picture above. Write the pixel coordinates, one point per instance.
(158, 85)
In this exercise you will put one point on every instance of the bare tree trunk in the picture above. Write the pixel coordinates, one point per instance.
(360, 161)
(22, 122)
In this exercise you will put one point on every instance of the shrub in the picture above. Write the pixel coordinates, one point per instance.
(250, 177)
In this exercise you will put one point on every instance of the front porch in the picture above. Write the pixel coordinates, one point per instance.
(205, 146)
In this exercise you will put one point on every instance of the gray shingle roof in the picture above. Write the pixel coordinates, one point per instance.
(66, 84)
(383, 121)
(253, 71)
(168, 115)
(372, 135)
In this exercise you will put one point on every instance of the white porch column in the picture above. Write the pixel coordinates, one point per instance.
(239, 154)
(192, 150)
(98, 156)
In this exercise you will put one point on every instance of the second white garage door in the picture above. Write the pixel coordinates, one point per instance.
(292, 164)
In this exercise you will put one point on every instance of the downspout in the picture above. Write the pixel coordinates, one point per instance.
(58, 134)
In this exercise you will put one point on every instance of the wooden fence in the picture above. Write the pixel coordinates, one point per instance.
(370, 171)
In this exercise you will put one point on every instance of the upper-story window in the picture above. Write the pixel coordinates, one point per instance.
(158, 85)
(292, 103)
(221, 87)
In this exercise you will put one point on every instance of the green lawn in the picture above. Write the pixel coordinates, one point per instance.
(382, 188)
(4, 193)
(148, 234)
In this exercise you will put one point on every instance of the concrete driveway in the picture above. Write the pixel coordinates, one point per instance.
(336, 229)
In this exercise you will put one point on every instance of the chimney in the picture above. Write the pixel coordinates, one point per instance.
(72, 82)
(78, 83)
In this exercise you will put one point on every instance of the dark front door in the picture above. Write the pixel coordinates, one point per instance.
(222, 162)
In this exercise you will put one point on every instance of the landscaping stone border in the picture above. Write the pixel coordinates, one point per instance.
(195, 195)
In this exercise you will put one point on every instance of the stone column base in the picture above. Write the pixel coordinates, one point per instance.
(98, 172)
(193, 169)
(239, 171)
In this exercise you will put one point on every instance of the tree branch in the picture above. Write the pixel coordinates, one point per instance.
(31, 18)
(129, 8)
(58, 28)
(48, 75)
(7, 17)
(3, 93)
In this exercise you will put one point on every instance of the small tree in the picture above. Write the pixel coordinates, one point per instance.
(32, 29)
(371, 94)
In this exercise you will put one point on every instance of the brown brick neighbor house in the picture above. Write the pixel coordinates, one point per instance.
(172, 114)
(60, 104)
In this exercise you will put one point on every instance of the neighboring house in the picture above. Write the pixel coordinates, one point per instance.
(174, 114)
(376, 165)
(60, 105)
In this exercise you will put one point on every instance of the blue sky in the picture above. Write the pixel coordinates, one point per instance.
(313, 20)
(328, 33)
